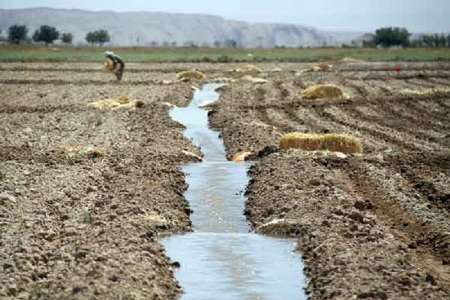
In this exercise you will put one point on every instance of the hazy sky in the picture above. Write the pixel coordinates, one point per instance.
(366, 15)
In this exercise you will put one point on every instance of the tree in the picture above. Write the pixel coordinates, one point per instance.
(98, 37)
(205, 45)
(392, 36)
(189, 44)
(67, 38)
(230, 43)
(435, 40)
(366, 41)
(428, 40)
(103, 37)
(417, 43)
(90, 38)
(442, 41)
(17, 33)
(46, 34)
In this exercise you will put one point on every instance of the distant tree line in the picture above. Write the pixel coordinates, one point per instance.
(432, 41)
(46, 34)
(392, 36)
(383, 37)
(227, 43)
(18, 34)
(99, 37)
(400, 37)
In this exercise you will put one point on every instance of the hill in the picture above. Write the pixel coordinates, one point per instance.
(151, 28)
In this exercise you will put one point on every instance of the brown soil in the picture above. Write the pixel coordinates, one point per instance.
(375, 226)
(84, 193)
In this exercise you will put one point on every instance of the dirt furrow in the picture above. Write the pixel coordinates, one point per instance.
(373, 226)
(84, 193)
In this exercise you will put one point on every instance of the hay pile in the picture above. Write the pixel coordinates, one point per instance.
(115, 103)
(320, 91)
(315, 142)
(190, 75)
(109, 65)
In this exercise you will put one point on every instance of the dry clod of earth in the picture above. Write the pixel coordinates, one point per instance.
(139, 104)
(168, 82)
(280, 227)
(241, 156)
(321, 91)
(424, 92)
(169, 105)
(190, 75)
(349, 60)
(115, 103)
(152, 221)
(78, 152)
(246, 70)
(7, 197)
(254, 80)
(312, 142)
(192, 155)
(322, 67)
(223, 80)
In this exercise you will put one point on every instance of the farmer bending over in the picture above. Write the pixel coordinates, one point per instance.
(114, 64)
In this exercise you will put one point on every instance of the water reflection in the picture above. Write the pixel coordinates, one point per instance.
(221, 260)
(236, 266)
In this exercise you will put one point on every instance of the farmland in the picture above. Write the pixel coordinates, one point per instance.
(143, 54)
(86, 192)
(369, 226)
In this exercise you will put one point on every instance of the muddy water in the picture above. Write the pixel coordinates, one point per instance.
(221, 259)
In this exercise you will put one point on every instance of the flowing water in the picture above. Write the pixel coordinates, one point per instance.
(221, 259)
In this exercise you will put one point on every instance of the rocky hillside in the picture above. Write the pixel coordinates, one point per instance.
(147, 28)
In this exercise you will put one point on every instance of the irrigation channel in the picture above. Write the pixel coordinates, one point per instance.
(221, 259)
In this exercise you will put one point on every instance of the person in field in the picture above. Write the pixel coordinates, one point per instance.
(114, 64)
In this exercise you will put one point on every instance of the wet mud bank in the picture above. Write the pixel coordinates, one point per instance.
(84, 192)
(356, 240)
